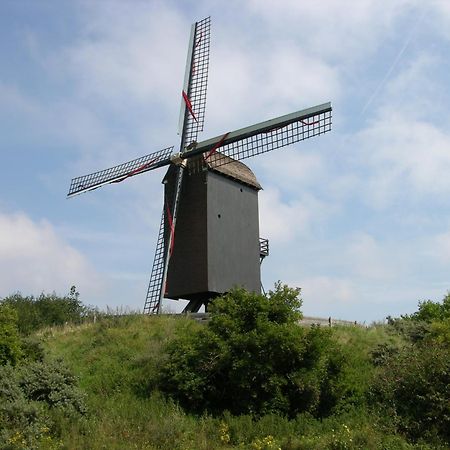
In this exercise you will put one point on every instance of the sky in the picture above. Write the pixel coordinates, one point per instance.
(358, 218)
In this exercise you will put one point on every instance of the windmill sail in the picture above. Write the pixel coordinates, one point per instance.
(152, 301)
(266, 136)
(193, 115)
(193, 99)
(119, 173)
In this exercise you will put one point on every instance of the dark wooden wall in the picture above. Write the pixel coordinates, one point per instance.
(233, 235)
(216, 236)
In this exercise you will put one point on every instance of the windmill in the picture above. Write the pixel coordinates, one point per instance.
(208, 238)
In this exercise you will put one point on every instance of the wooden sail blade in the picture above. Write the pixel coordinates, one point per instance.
(193, 102)
(121, 172)
(192, 116)
(152, 300)
(265, 136)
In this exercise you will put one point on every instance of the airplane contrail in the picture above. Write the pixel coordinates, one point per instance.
(394, 64)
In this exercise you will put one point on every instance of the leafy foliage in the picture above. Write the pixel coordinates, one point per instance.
(432, 319)
(440, 332)
(47, 310)
(10, 344)
(118, 360)
(53, 383)
(29, 394)
(299, 388)
(430, 311)
(413, 380)
(413, 384)
(252, 357)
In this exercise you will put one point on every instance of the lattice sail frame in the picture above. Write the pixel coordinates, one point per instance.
(195, 83)
(267, 141)
(192, 117)
(152, 300)
(120, 172)
(265, 136)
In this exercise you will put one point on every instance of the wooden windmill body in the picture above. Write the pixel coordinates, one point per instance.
(208, 239)
(217, 243)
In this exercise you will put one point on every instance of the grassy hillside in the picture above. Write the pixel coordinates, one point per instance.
(117, 362)
(118, 382)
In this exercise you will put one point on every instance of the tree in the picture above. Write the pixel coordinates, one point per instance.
(430, 311)
(10, 346)
(412, 386)
(47, 310)
(252, 357)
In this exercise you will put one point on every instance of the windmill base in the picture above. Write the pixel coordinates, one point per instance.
(193, 306)
(196, 303)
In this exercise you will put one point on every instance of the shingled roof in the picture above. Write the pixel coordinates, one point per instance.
(228, 167)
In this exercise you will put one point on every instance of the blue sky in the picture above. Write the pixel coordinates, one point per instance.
(358, 218)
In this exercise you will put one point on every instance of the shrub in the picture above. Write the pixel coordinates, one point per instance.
(47, 310)
(251, 358)
(413, 330)
(32, 348)
(9, 387)
(34, 400)
(10, 345)
(412, 386)
(430, 311)
(440, 332)
(21, 421)
(52, 382)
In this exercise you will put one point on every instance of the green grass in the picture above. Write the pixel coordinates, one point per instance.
(357, 345)
(117, 361)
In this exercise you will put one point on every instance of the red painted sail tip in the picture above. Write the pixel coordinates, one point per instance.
(137, 170)
(218, 145)
(172, 229)
(188, 105)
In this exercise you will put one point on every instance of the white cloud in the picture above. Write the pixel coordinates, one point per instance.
(283, 220)
(333, 289)
(128, 50)
(414, 89)
(55, 122)
(407, 159)
(250, 84)
(440, 247)
(296, 78)
(340, 30)
(441, 18)
(293, 169)
(33, 259)
(371, 261)
(14, 102)
(325, 296)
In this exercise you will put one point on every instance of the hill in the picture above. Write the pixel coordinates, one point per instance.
(111, 377)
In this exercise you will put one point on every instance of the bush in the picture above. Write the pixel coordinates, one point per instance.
(440, 332)
(34, 399)
(23, 423)
(413, 387)
(52, 382)
(430, 311)
(429, 321)
(10, 345)
(32, 348)
(413, 330)
(47, 310)
(251, 358)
